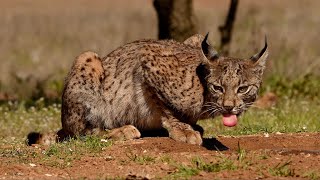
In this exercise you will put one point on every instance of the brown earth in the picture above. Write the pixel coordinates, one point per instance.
(272, 156)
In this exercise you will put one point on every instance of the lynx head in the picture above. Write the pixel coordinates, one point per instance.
(231, 84)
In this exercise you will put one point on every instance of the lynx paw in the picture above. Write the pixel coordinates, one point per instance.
(186, 135)
(124, 133)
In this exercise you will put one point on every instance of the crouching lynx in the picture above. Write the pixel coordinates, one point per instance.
(150, 85)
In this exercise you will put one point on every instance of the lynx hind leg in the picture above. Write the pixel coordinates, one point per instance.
(81, 100)
(89, 65)
(126, 132)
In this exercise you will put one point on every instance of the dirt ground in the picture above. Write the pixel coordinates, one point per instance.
(274, 156)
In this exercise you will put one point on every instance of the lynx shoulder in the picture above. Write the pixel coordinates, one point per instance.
(152, 85)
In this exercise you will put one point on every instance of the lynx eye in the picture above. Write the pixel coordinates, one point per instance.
(216, 88)
(243, 89)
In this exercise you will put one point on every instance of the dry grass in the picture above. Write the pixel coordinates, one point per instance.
(39, 39)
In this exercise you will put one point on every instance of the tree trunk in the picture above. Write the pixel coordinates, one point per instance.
(175, 19)
(226, 29)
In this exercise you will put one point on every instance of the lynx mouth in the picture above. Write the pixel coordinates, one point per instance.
(229, 120)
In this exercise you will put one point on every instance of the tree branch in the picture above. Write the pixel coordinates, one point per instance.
(226, 29)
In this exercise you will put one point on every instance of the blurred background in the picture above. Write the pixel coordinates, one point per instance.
(40, 39)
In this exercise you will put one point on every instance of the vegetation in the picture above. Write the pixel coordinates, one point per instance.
(39, 40)
(282, 170)
(290, 115)
(58, 155)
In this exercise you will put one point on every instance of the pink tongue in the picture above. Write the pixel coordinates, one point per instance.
(229, 120)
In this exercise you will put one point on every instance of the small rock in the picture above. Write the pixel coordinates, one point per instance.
(108, 158)
(307, 155)
(103, 140)
(32, 165)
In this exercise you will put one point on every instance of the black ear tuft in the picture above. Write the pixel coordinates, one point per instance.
(261, 57)
(209, 52)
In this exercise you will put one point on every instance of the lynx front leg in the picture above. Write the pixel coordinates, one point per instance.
(180, 131)
(126, 132)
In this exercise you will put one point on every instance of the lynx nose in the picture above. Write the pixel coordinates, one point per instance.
(228, 108)
(228, 105)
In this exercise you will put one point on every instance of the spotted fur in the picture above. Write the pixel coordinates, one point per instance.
(151, 85)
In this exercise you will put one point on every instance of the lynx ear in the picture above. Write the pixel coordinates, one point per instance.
(194, 40)
(209, 52)
(203, 71)
(260, 58)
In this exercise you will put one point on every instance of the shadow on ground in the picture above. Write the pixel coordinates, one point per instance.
(208, 143)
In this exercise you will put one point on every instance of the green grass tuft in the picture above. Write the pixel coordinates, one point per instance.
(312, 175)
(141, 159)
(184, 172)
(223, 164)
(282, 170)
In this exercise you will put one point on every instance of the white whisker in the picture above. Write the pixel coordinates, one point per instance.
(209, 109)
(214, 111)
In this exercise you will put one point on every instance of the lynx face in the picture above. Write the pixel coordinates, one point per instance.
(231, 84)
